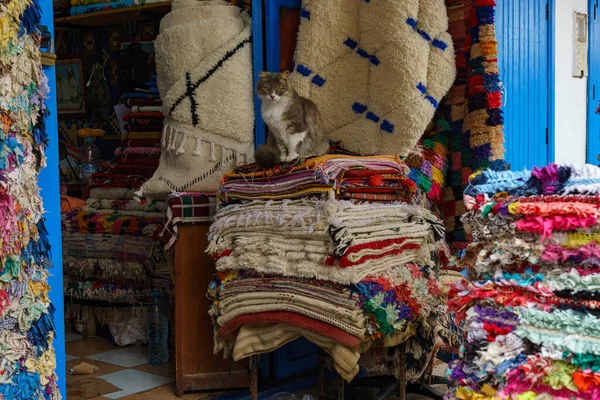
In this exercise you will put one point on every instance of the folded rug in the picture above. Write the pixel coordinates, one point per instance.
(137, 151)
(87, 2)
(131, 95)
(92, 8)
(105, 268)
(141, 135)
(157, 115)
(144, 109)
(388, 103)
(126, 205)
(143, 102)
(84, 221)
(121, 247)
(150, 127)
(140, 143)
(204, 64)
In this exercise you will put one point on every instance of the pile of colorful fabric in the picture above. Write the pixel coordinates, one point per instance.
(112, 260)
(530, 312)
(345, 176)
(137, 157)
(26, 313)
(354, 277)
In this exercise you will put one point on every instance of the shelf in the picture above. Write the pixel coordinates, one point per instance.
(116, 16)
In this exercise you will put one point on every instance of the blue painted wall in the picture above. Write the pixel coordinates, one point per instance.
(593, 120)
(524, 38)
(50, 186)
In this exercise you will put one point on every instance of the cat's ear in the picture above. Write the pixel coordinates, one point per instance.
(284, 75)
(263, 74)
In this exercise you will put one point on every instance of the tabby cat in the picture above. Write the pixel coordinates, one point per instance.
(293, 121)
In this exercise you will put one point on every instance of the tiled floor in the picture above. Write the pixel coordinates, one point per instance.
(123, 373)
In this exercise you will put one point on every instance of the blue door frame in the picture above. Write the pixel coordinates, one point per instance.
(593, 95)
(50, 187)
(525, 34)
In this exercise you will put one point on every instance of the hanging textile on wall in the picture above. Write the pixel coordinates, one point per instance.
(472, 108)
(26, 314)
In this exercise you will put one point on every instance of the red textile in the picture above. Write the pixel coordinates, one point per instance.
(288, 34)
(137, 161)
(286, 317)
(154, 114)
(140, 143)
(153, 127)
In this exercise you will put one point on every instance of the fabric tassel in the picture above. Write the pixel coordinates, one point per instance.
(212, 153)
(198, 147)
(173, 144)
(180, 149)
(223, 150)
(165, 131)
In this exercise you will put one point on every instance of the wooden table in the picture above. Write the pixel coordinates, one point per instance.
(197, 367)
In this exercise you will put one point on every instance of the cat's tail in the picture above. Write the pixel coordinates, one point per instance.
(267, 156)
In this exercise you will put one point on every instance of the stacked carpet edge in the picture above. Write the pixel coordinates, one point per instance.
(530, 310)
(358, 278)
(112, 259)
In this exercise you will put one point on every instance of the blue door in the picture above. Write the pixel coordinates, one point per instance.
(523, 34)
(593, 120)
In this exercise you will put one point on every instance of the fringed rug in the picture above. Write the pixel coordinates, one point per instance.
(472, 109)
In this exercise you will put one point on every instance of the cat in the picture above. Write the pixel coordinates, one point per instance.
(294, 122)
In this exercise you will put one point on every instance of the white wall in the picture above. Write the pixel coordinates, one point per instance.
(571, 93)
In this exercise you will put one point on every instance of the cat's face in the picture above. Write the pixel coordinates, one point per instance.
(272, 86)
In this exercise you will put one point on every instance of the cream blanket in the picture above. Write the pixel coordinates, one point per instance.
(204, 68)
(376, 69)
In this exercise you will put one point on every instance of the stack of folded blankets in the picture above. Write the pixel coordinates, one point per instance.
(79, 7)
(111, 258)
(532, 327)
(333, 250)
(137, 157)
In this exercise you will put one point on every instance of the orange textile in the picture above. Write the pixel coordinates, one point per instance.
(68, 203)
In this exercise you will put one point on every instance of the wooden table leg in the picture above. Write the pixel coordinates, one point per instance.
(254, 362)
(402, 366)
(321, 374)
(341, 393)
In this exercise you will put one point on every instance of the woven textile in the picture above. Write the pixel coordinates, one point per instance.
(186, 208)
(27, 326)
(84, 221)
(99, 290)
(203, 59)
(387, 104)
(105, 268)
(530, 311)
(121, 247)
(361, 275)
(322, 239)
(357, 178)
(473, 115)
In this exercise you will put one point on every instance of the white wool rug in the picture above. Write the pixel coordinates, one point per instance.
(204, 69)
(376, 69)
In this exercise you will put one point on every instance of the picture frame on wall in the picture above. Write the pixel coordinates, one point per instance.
(70, 86)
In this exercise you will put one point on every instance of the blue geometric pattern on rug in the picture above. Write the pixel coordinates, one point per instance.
(360, 109)
(440, 44)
